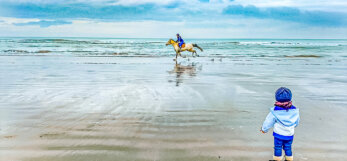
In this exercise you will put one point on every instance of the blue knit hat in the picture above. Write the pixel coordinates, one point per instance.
(283, 94)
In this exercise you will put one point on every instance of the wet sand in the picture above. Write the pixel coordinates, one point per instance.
(119, 108)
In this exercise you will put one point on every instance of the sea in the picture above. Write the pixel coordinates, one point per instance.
(129, 99)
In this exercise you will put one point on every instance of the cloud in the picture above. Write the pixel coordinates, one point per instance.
(238, 28)
(180, 10)
(316, 18)
(77, 10)
(169, 11)
(158, 18)
(310, 5)
(43, 23)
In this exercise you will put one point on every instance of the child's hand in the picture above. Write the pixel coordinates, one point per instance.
(262, 131)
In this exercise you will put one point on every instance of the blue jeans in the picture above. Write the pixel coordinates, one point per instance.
(180, 44)
(285, 144)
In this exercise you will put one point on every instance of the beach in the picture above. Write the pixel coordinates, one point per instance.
(126, 99)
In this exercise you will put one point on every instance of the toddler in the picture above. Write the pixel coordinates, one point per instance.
(284, 117)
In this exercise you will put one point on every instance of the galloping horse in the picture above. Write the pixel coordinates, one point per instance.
(187, 47)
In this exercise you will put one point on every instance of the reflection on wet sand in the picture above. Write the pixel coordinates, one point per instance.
(180, 70)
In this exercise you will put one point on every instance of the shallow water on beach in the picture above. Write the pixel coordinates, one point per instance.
(126, 99)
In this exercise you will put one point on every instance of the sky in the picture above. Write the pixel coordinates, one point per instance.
(302, 19)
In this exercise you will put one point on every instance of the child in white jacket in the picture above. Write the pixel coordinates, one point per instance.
(284, 117)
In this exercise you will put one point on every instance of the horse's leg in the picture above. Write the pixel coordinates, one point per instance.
(194, 52)
(191, 50)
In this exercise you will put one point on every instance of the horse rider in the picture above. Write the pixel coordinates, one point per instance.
(180, 41)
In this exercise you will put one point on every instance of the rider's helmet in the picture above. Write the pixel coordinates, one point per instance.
(177, 34)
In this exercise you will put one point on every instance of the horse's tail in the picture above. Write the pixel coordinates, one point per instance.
(196, 45)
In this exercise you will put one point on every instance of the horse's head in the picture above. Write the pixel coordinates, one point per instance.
(170, 42)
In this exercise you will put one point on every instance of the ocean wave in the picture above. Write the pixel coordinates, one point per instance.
(136, 53)
(63, 41)
(79, 51)
(256, 49)
(303, 56)
(25, 51)
(291, 44)
(15, 51)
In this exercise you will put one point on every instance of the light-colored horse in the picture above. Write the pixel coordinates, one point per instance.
(188, 47)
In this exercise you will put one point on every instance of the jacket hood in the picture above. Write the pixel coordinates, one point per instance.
(286, 117)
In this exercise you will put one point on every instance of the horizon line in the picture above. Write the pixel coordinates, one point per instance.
(169, 38)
